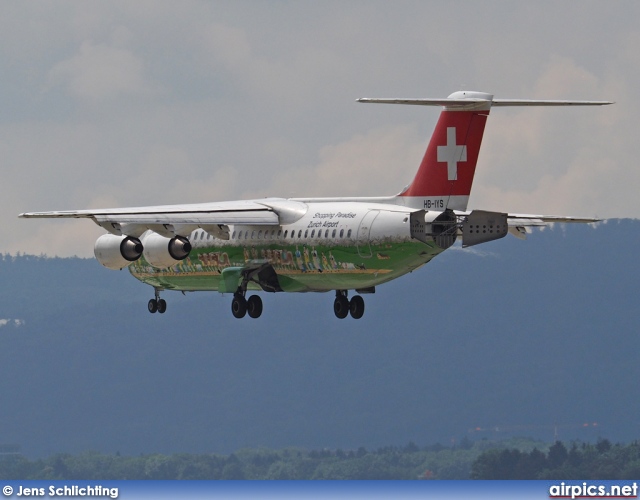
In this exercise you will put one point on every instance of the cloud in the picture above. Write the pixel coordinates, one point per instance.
(16, 323)
(552, 160)
(138, 103)
(100, 71)
(378, 163)
(478, 252)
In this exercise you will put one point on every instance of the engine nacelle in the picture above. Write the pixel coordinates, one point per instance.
(164, 252)
(116, 252)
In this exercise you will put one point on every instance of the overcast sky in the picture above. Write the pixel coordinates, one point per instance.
(108, 104)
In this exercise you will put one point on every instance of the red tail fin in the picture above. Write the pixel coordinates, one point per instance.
(445, 175)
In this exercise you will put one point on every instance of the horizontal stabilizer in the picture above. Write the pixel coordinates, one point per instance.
(536, 102)
(463, 103)
(450, 103)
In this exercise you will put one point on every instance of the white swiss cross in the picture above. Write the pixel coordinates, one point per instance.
(451, 154)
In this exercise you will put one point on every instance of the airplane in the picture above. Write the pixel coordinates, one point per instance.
(318, 244)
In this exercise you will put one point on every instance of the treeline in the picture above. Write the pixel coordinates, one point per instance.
(512, 459)
(391, 462)
(602, 460)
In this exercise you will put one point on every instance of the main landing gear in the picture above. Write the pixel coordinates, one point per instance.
(342, 306)
(240, 306)
(157, 305)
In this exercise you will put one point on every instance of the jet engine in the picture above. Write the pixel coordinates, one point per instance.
(164, 252)
(116, 252)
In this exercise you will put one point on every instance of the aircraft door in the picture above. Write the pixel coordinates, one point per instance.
(363, 240)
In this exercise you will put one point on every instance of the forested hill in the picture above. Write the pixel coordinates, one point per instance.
(388, 462)
(537, 337)
(484, 459)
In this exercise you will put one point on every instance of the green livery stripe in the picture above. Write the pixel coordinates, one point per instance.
(302, 267)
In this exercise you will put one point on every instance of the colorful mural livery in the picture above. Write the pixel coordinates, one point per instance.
(344, 245)
(307, 261)
(316, 265)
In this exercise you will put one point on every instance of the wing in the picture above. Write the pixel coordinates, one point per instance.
(182, 219)
(518, 223)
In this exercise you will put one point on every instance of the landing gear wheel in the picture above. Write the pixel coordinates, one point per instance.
(356, 307)
(153, 306)
(341, 307)
(239, 306)
(162, 306)
(254, 306)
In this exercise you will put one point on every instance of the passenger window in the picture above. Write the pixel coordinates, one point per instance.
(306, 232)
(260, 234)
(333, 233)
(253, 234)
(246, 235)
(233, 236)
(300, 233)
(280, 233)
(273, 232)
(285, 233)
(313, 233)
(326, 233)
(341, 233)
(349, 233)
